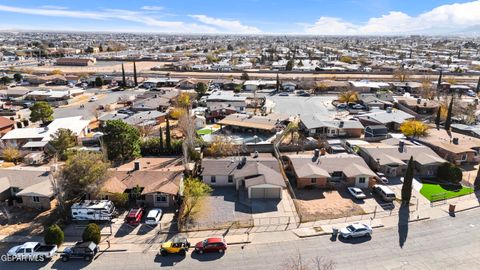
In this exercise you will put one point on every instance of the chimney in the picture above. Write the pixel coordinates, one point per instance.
(401, 146)
(136, 165)
(455, 141)
(316, 153)
(419, 100)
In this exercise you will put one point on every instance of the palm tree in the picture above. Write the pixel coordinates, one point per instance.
(348, 97)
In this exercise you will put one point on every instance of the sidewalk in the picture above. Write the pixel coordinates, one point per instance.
(259, 235)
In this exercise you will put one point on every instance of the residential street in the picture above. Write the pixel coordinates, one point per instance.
(444, 243)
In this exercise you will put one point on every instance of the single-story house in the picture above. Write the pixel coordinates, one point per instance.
(316, 125)
(149, 182)
(391, 157)
(454, 147)
(26, 188)
(270, 123)
(6, 125)
(260, 176)
(391, 118)
(329, 171)
(420, 106)
(70, 61)
(39, 137)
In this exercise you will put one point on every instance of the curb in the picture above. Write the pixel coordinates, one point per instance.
(466, 209)
(239, 243)
(419, 219)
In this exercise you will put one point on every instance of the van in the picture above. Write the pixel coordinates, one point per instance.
(384, 192)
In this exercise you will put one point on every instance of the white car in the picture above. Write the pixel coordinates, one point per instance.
(382, 178)
(153, 217)
(94, 98)
(356, 192)
(356, 230)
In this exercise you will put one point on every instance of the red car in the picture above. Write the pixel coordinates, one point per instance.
(211, 245)
(134, 216)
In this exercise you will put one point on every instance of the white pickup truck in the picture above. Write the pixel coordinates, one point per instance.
(32, 251)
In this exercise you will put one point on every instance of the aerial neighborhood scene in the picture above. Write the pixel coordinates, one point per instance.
(290, 135)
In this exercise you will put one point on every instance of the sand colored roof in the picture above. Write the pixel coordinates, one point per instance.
(257, 122)
(442, 139)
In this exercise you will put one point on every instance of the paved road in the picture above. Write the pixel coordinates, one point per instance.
(88, 112)
(446, 243)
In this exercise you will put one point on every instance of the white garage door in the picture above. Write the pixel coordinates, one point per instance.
(265, 193)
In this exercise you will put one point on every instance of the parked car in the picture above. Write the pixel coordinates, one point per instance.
(283, 94)
(176, 246)
(384, 192)
(356, 230)
(134, 216)
(382, 178)
(356, 193)
(153, 217)
(81, 250)
(211, 245)
(93, 98)
(471, 93)
(342, 106)
(358, 107)
(32, 251)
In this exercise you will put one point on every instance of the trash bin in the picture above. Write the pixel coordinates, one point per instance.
(334, 231)
(451, 208)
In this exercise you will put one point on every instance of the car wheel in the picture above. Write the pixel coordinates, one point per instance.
(64, 259)
(87, 258)
(182, 252)
(200, 251)
(163, 253)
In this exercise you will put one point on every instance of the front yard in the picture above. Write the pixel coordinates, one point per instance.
(434, 192)
(318, 204)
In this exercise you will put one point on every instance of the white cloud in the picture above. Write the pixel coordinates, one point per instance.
(116, 14)
(440, 20)
(152, 8)
(54, 7)
(228, 26)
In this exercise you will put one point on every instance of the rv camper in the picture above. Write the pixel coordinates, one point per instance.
(93, 210)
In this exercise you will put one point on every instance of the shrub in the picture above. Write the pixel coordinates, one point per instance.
(54, 235)
(119, 199)
(91, 233)
(450, 172)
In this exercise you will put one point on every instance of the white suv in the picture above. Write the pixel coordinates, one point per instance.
(153, 217)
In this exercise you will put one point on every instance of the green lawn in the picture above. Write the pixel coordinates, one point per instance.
(435, 191)
(204, 131)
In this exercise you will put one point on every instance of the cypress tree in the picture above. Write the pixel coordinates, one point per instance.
(124, 81)
(437, 119)
(278, 83)
(439, 79)
(168, 141)
(135, 73)
(161, 140)
(407, 183)
(448, 121)
(478, 86)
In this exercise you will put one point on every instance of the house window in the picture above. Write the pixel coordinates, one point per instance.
(337, 174)
(230, 179)
(213, 179)
(161, 198)
(361, 180)
(36, 199)
(464, 157)
(313, 180)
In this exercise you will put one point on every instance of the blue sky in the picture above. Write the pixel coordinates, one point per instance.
(328, 17)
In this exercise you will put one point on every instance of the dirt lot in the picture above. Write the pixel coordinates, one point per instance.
(318, 204)
(100, 67)
(24, 221)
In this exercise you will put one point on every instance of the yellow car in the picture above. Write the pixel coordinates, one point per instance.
(176, 246)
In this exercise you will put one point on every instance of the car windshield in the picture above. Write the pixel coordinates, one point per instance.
(350, 228)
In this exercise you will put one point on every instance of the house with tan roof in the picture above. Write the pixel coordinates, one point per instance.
(391, 157)
(329, 171)
(454, 147)
(260, 177)
(149, 182)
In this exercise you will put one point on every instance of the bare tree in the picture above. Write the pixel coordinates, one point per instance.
(297, 262)
(187, 125)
